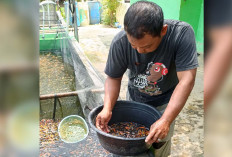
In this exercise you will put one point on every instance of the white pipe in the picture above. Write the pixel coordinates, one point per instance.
(67, 19)
(49, 16)
(47, 2)
(43, 19)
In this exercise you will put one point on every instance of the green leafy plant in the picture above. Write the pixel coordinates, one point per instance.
(109, 11)
(62, 12)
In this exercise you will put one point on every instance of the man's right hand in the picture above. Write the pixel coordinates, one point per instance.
(112, 88)
(102, 120)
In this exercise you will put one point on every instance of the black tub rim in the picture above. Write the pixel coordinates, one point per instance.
(117, 137)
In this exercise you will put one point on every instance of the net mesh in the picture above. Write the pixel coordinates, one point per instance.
(72, 63)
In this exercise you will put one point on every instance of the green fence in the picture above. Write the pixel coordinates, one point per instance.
(190, 11)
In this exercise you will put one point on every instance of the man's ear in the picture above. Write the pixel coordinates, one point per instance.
(164, 30)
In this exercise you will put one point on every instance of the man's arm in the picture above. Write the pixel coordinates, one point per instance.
(160, 128)
(218, 62)
(112, 89)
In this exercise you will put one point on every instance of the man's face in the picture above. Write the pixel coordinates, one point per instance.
(148, 43)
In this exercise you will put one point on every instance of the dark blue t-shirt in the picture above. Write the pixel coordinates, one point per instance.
(153, 76)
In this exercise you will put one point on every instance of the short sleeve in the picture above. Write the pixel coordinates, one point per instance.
(186, 54)
(117, 61)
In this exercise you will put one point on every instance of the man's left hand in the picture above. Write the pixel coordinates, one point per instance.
(158, 130)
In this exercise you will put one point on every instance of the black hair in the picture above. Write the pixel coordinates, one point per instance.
(142, 18)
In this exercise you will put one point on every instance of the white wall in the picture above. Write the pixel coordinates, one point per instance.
(121, 11)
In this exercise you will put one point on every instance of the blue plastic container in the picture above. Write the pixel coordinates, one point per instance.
(94, 12)
(66, 5)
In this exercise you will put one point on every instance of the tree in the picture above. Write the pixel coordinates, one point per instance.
(109, 11)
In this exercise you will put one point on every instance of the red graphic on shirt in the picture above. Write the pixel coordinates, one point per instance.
(154, 74)
(157, 71)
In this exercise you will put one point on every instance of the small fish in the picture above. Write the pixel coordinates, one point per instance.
(128, 130)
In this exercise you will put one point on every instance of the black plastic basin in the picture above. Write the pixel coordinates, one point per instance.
(125, 111)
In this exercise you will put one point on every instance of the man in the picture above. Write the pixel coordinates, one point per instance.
(162, 61)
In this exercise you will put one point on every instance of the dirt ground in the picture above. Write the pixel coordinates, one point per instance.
(188, 139)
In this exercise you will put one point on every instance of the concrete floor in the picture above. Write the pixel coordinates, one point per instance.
(188, 136)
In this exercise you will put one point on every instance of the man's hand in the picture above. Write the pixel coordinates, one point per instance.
(102, 120)
(112, 88)
(158, 130)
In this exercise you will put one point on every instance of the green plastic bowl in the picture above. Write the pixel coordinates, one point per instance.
(73, 129)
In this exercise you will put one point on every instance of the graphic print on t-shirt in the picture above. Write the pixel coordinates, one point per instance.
(148, 82)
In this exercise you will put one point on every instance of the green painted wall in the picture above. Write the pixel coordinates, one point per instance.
(169, 13)
(50, 41)
(190, 11)
(200, 32)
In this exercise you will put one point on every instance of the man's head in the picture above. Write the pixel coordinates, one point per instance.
(144, 24)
